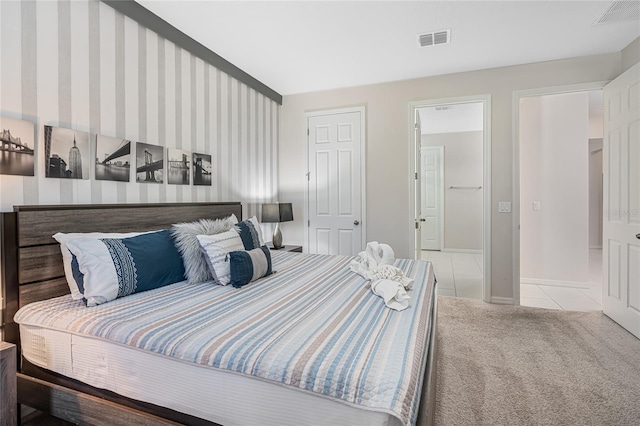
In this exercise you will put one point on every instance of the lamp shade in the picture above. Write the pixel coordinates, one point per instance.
(277, 212)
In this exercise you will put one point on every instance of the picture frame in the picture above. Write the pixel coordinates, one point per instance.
(202, 169)
(113, 159)
(149, 163)
(17, 147)
(178, 166)
(66, 153)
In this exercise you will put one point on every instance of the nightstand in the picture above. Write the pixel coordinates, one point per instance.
(8, 390)
(297, 249)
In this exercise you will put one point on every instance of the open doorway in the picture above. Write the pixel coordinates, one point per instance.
(451, 155)
(560, 200)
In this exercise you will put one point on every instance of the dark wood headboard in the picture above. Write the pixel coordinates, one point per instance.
(31, 260)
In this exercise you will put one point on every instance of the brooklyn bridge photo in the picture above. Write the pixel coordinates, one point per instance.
(113, 159)
(178, 166)
(66, 153)
(16, 147)
(149, 163)
(201, 169)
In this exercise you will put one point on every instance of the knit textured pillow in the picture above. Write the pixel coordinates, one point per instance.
(249, 265)
(184, 234)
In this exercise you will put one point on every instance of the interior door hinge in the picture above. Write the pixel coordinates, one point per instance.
(309, 223)
(308, 175)
(416, 175)
(307, 131)
(417, 225)
(415, 125)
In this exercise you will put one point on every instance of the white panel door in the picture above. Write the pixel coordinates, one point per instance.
(621, 230)
(417, 135)
(431, 212)
(335, 183)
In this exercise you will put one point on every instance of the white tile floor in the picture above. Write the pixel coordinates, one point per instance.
(567, 298)
(460, 275)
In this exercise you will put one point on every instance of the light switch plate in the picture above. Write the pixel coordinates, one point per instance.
(536, 206)
(504, 207)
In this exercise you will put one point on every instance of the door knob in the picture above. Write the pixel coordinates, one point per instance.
(638, 236)
(356, 222)
(422, 220)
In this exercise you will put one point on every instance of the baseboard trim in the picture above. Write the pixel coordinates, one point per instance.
(472, 251)
(555, 283)
(502, 300)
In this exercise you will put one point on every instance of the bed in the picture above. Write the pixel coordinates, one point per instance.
(95, 366)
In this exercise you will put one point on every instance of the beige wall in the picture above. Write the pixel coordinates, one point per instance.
(387, 145)
(631, 54)
(462, 207)
(554, 170)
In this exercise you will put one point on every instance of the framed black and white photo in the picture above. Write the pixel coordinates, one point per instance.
(17, 147)
(66, 153)
(202, 169)
(178, 166)
(149, 163)
(113, 159)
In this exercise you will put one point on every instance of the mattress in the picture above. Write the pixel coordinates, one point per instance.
(219, 353)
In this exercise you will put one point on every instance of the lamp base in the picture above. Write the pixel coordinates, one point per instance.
(277, 237)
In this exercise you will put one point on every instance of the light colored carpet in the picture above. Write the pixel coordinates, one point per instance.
(508, 365)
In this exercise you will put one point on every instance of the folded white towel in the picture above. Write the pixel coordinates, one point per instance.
(392, 292)
(374, 255)
(387, 281)
(389, 272)
(379, 254)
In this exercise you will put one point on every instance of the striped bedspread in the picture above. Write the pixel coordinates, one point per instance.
(314, 325)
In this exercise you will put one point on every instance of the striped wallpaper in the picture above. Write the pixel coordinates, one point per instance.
(82, 65)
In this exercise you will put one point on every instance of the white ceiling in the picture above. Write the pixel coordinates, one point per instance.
(303, 46)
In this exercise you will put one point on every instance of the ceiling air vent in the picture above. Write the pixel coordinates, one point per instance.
(434, 38)
(620, 10)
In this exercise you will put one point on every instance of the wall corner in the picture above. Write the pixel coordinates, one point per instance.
(630, 55)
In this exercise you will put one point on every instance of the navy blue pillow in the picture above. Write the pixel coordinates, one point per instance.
(77, 275)
(248, 234)
(157, 260)
(250, 265)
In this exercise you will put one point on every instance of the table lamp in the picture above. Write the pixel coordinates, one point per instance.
(276, 213)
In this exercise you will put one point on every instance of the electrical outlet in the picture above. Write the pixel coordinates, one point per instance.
(536, 206)
(504, 207)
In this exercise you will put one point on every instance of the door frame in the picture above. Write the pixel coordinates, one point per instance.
(363, 184)
(486, 171)
(440, 150)
(515, 146)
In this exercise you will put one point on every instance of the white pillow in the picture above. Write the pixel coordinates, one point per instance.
(256, 224)
(216, 247)
(67, 257)
(117, 267)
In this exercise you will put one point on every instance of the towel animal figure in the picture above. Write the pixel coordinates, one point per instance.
(375, 263)
(392, 292)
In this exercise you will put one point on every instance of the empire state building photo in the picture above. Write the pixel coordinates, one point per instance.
(75, 161)
(64, 151)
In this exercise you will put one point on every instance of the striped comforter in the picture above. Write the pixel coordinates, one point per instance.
(314, 325)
